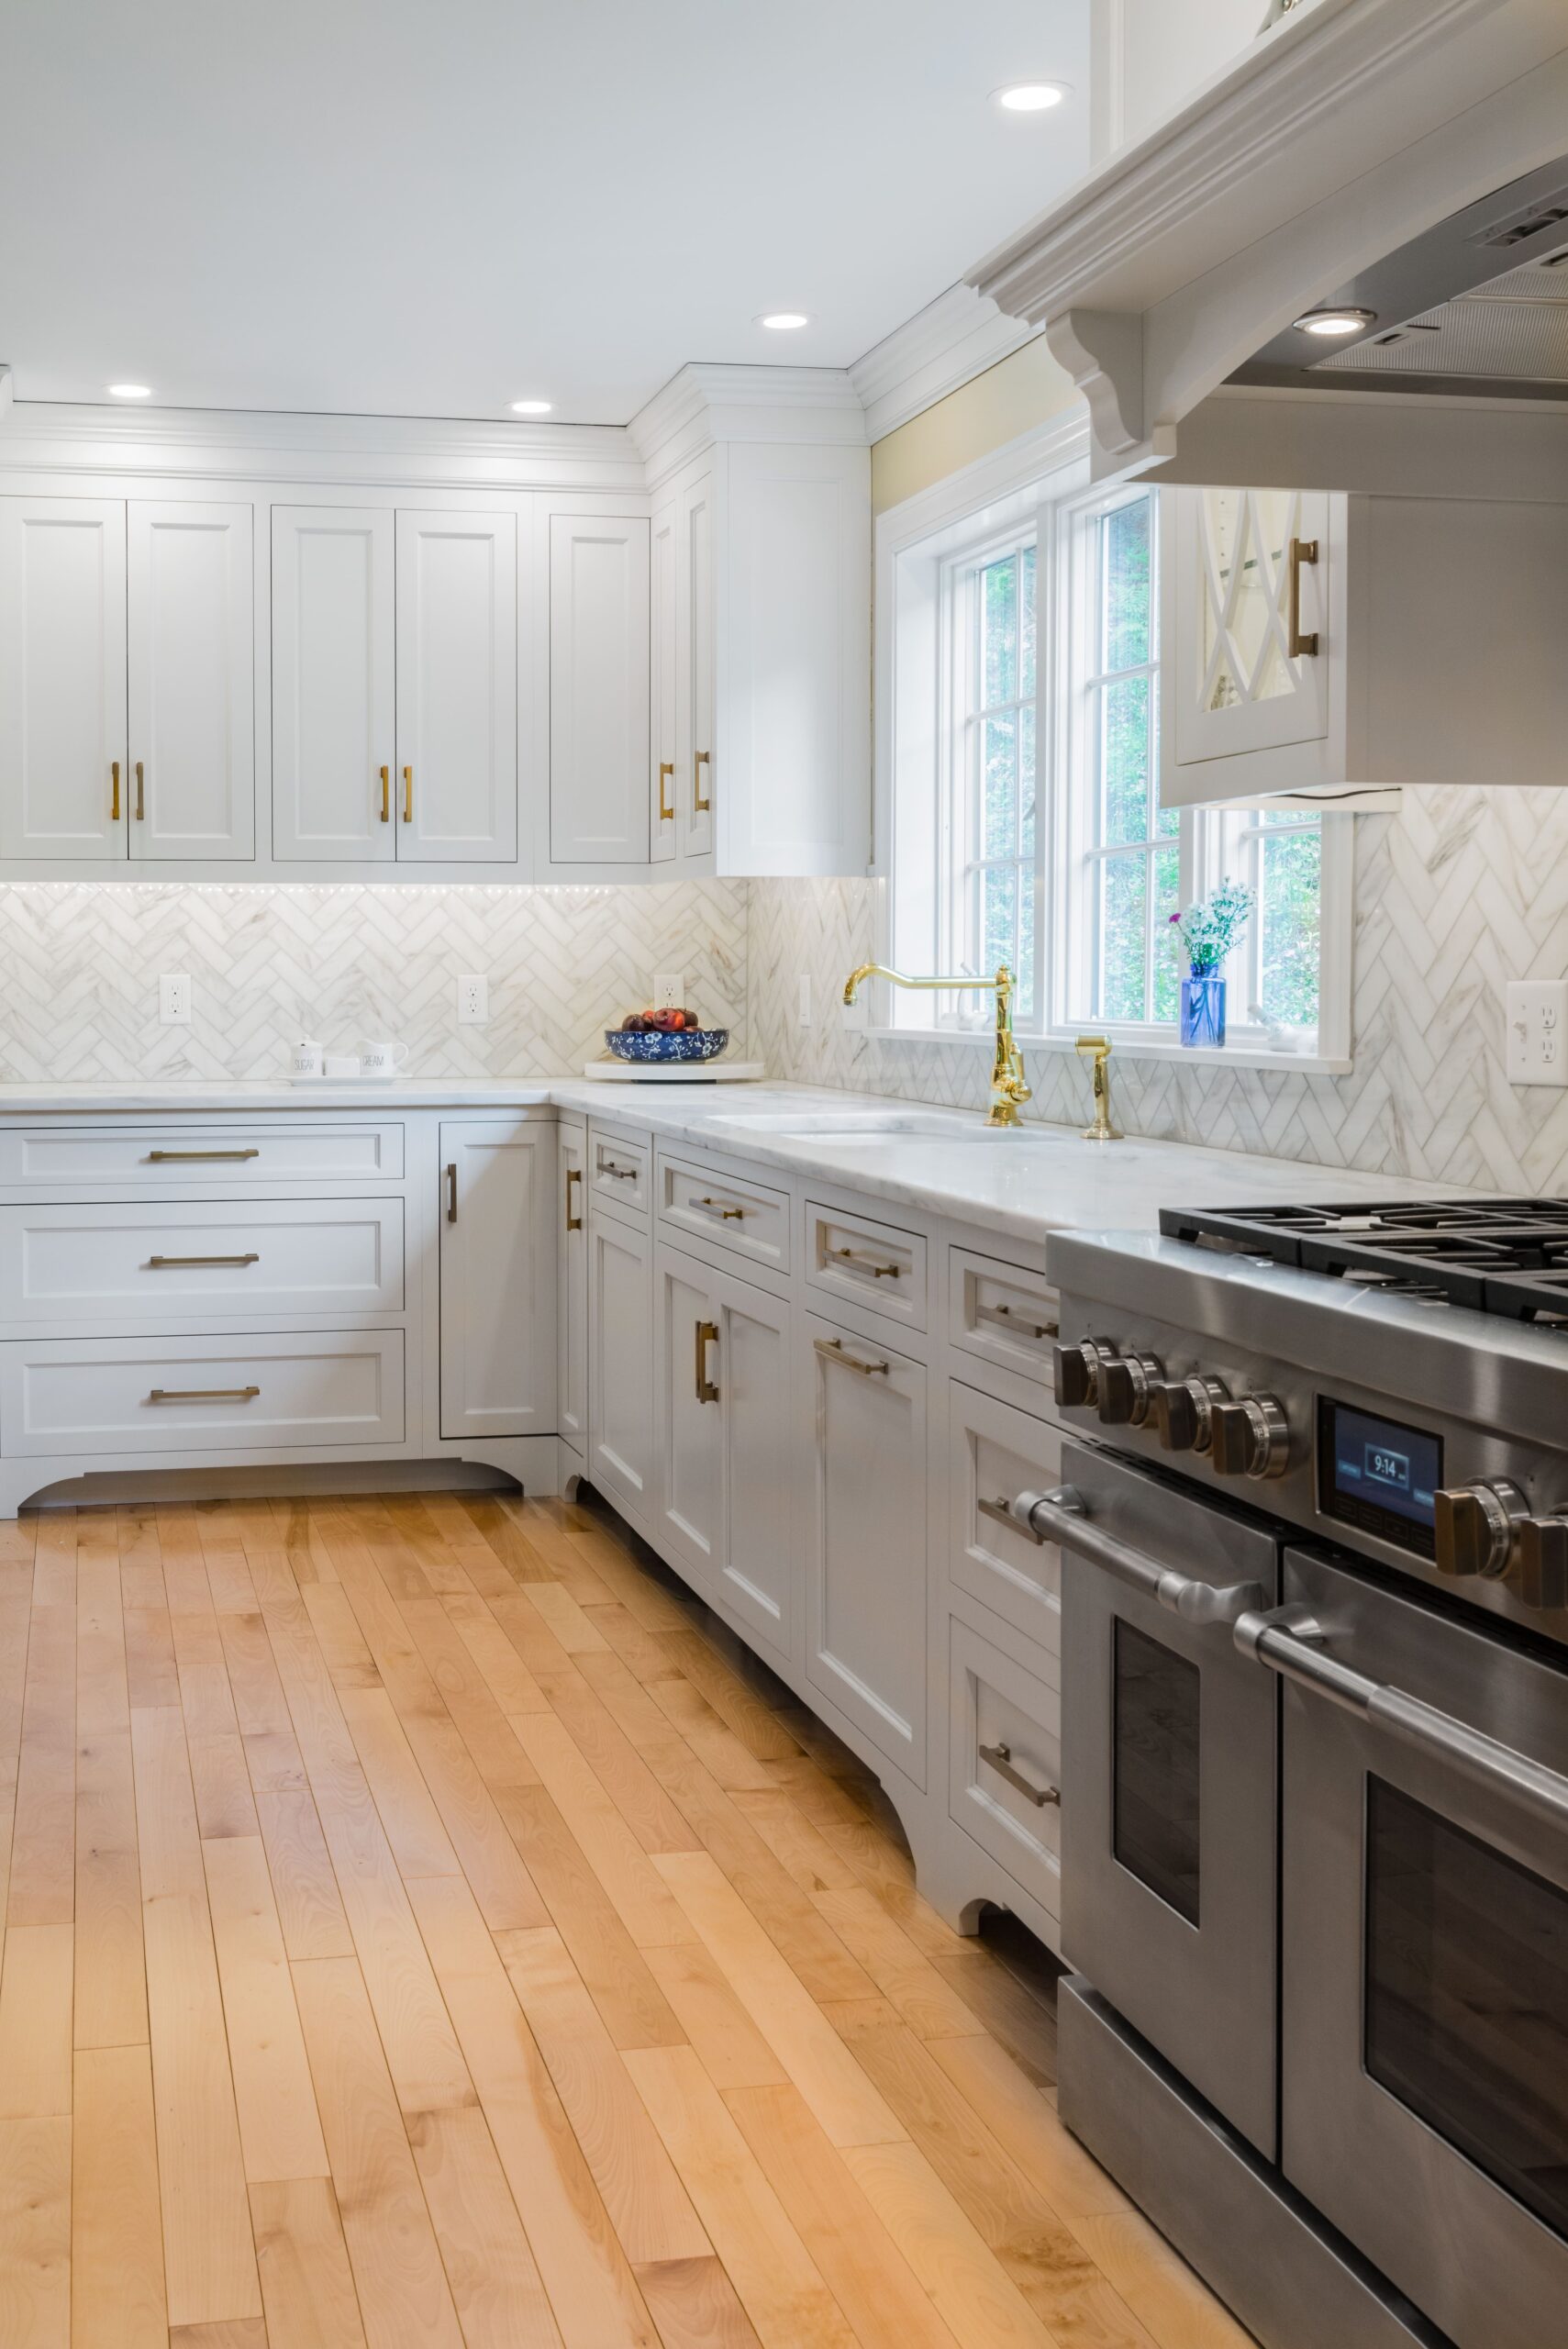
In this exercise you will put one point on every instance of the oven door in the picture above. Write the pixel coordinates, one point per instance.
(1425, 1977)
(1169, 1770)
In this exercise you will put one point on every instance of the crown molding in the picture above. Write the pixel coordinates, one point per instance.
(705, 402)
(941, 347)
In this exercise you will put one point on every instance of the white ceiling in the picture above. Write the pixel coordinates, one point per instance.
(433, 208)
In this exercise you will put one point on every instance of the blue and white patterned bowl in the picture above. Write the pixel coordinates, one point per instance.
(684, 1044)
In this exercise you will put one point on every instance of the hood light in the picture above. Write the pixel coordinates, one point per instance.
(1335, 322)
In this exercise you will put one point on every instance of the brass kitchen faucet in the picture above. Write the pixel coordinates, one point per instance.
(1007, 1086)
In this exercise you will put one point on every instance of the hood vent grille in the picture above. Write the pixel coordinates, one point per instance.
(1544, 213)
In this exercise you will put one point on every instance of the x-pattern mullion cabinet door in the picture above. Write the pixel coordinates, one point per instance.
(63, 678)
(456, 786)
(191, 781)
(334, 703)
(1248, 667)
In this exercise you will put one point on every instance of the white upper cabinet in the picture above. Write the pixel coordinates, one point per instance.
(598, 689)
(663, 678)
(192, 729)
(334, 710)
(698, 783)
(63, 776)
(457, 688)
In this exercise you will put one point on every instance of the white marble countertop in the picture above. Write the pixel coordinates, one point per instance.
(1025, 1183)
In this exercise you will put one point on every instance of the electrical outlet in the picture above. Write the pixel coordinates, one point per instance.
(472, 999)
(668, 990)
(1538, 1031)
(802, 1007)
(174, 999)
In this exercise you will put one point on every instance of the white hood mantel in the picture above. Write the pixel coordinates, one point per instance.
(1344, 131)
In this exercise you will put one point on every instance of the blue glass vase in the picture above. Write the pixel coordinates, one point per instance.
(1203, 1010)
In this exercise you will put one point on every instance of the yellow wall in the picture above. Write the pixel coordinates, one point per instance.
(1010, 398)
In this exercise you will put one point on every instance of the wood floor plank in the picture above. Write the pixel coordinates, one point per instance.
(922, 1995)
(500, 2297)
(622, 1866)
(116, 2236)
(799, 1846)
(653, 1817)
(975, 2297)
(35, 2021)
(35, 2233)
(407, 1809)
(510, 1682)
(734, 2053)
(307, 2287)
(279, 2130)
(694, 2305)
(1019, 2117)
(310, 1906)
(43, 1845)
(110, 1983)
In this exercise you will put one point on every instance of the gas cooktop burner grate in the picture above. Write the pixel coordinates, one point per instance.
(1506, 1256)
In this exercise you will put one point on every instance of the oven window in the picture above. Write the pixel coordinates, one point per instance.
(1467, 1996)
(1155, 1830)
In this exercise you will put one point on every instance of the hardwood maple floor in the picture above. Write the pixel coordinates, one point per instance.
(425, 1928)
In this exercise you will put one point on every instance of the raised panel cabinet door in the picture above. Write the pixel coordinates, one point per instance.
(497, 1273)
(620, 1365)
(572, 1287)
(457, 688)
(689, 1391)
(1246, 618)
(865, 1546)
(192, 681)
(664, 696)
(62, 677)
(334, 715)
(750, 1364)
(699, 756)
(598, 690)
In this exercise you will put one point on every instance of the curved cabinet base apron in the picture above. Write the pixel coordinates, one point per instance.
(538, 1466)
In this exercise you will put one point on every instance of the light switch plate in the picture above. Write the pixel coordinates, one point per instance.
(472, 999)
(1538, 1031)
(174, 999)
(668, 990)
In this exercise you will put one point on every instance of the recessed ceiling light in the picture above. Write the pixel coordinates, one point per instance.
(532, 408)
(130, 391)
(1029, 97)
(1333, 322)
(784, 321)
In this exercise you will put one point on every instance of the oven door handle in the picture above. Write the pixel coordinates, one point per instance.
(1060, 1516)
(1288, 1639)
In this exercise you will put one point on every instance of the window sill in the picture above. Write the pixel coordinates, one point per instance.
(1132, 1049)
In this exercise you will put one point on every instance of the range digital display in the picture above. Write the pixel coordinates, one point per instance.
(1378, 1474)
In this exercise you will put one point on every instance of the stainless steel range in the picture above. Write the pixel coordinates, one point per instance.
(1315, 1781)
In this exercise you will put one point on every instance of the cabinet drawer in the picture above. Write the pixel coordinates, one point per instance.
(156, 1395)
(993, 1454)
(174, 1155)
(1004, 1762)
(1002, 1315)
(873, 1264)
(743, 1216)
(192, 1260)
(619, 1172)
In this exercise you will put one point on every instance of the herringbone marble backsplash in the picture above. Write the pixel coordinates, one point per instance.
(1459, 891)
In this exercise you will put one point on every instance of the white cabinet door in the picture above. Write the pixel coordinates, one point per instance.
(664, 642)
(571, 1287)
(62, 677)
(1250, 669)
(333, 703)
(690, 1434)
(497, 1277)
(865, 1546)
(750, 1364)
(457, 688)
(598, 690)
(697, 653)
(192, 681)
(620, 1365)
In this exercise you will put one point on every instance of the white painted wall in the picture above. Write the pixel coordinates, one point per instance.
(1146, 56)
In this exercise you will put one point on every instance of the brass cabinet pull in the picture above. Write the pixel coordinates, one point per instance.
(832, 1349)
(114, 803)
(408, 794)
(1301, 551)
(141, 795)
(165, 1157)
(573, 1222)
(202, 1393)
(1004, 1516)
(451, 1192)
(699, 805)
(162, 1263)
(717, 1208)
(386, 794)
(666, 813)
(707, 1335)
(1000, 1758)
(865, 1264)
(1008, 1320)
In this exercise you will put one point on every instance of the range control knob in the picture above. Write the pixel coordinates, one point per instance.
(1543, 1561)
(1251, 1438)
(1125, 1386)
(1076, 1373)
(1477, 1526)
(1182, 1410)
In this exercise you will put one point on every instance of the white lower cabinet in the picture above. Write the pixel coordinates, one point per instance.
(571, 1287)
(620, 1364)
(497, 1276)
(864, 1547)
(1004, 1761)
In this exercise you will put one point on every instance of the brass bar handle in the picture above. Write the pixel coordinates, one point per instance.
(1006, 1318)
(717, 1208)
(166, 1157)
(666, 813)
(386, 794)
(699, 805)
(1301, 551)
(204, 1394)
(865, 1264)
(408, 794)
(573, 1222)
(1003, 1514)
(114, 803)
(162, 1263)
(707, 1335)
(451, 1191)
(1000, 1759)
(141, 795)
(832, 1349)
